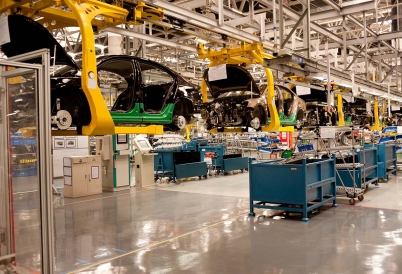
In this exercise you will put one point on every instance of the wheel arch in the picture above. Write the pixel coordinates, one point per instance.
(183, 106)
(73, 100)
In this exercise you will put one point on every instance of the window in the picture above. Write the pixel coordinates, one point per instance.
(157, 84)
(118, 74)
(152, 75)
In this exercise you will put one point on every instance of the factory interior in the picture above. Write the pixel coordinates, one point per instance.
(200, 136)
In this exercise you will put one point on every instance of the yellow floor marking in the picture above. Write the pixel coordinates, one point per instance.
(100, 198)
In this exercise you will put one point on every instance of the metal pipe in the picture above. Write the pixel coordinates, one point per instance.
(396, 65)
(389, 100)
(251, 10)
(274, 20)
(220, 12)
(281, 23)
(365, 43)
(345, 61)
(328, 82)
(306, 29)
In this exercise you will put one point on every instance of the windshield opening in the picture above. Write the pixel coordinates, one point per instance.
(239, 93)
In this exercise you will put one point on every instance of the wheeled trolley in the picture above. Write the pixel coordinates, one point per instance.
(350, 181)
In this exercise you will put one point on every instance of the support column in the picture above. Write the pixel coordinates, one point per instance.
(400, 61)
(365, 44)
(306, 29)
(396, 66)
(345, 49)
(274, 21)
(114, 43)
(143, 43)
(328, 81)
(281, 23)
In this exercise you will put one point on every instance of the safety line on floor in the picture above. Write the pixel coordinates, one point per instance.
(100, 198)
(155, 244)
(23, 192)
(373, 207)
(192, 192)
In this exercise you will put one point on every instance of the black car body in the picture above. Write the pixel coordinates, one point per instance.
(151, 93)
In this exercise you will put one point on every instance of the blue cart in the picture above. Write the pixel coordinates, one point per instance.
(176, 164)
(224, 162)
(294, 186)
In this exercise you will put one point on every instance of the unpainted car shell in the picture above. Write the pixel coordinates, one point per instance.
(295, 112)
(237, 100)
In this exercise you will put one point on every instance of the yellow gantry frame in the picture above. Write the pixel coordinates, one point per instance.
(376, 125)
(83, 14)
(341, 118)
(245, 54)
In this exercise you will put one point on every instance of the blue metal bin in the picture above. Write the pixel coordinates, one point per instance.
(167, 164)
(387, 155)
(297, 186)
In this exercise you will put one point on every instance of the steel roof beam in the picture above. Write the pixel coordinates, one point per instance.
(322, 30)
(149, 38)
(204, 22)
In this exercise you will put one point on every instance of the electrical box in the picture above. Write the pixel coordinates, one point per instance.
(82, 176)
(144, 163)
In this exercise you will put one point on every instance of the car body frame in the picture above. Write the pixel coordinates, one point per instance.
(151, 93)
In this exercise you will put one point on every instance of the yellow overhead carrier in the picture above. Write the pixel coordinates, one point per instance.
(83, 14)
(341, 119)
(376, 125)
(244, 54)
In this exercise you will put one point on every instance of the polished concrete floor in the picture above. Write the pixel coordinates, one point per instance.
(203, 227)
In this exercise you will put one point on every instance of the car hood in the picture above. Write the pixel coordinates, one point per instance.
(238, 78)
(26, 35)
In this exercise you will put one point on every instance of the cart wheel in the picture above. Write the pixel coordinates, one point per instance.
(352, 201)
(361, 197)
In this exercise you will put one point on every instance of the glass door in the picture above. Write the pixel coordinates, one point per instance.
(26, 234)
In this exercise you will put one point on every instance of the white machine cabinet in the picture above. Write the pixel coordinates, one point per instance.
(144, 163)
(82, 176)
(115, 154)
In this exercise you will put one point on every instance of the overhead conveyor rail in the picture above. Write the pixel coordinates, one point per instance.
(298, 65)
